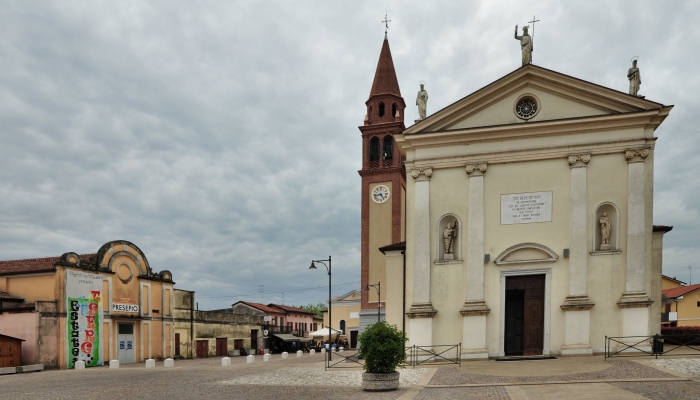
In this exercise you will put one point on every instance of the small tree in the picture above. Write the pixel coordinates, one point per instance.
(382, 347)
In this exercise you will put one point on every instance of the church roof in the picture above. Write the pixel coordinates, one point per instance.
(608, 101)
(385, 81)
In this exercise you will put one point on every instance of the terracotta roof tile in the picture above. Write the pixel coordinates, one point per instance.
(385, 81)
(32, 265)
(290, 308)
(262, 307)
(680, 291)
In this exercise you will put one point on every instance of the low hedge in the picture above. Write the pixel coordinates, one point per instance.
(688, 335)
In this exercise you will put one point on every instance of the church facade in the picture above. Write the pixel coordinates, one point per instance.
(528, 219)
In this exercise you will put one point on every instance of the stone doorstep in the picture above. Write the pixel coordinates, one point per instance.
(21, 369)
(560, 382)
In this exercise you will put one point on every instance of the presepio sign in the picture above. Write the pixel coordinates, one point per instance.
(121, 307)
(84, 317)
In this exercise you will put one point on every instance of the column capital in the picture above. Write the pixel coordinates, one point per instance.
(579, 160)
(636, 155)
(421, 174)
(476, 169)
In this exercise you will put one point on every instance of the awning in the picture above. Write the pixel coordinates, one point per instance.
(323, 332)
(287, 337)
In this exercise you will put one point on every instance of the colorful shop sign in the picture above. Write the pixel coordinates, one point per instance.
(84, 317)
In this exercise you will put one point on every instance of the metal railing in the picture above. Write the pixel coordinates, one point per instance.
(656, 345)
(342, 360)
(415, 356)
(435, 354)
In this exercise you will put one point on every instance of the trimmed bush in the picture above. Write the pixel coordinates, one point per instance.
(688, 335)
(383, 348)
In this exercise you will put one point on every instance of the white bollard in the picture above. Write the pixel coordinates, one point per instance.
(266, 357)
(225, 362)
(299, 353)
(285, 355)
(250, 359)
(79, 365)
(323, 350)
(341, 349)
(150, 363)
(335, 349)
(169, 363)
(312, 352)
(114, 364)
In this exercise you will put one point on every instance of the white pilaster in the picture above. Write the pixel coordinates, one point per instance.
(474, 310)
(577, 305)
(421, 312)
(635, 301)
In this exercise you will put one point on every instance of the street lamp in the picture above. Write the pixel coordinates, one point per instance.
(377, 286)
(330, 320)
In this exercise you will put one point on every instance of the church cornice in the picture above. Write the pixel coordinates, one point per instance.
(380, 171)
(587, 92)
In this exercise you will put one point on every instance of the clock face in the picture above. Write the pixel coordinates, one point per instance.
(380, 194)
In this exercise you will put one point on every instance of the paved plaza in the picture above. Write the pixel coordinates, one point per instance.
(305, 378)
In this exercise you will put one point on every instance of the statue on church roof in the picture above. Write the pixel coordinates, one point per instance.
(525, 44)
(422, 102)
(634, 77)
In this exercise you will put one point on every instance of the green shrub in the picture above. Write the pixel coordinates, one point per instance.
(383, 348)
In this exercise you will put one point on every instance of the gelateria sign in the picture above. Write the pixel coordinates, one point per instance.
(84, 317)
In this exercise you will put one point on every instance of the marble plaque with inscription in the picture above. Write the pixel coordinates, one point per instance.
(525, 208)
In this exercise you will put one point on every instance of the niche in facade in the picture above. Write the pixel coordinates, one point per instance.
(606, 228)
(448, 238)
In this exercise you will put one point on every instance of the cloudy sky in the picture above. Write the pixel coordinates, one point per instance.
(221, 136)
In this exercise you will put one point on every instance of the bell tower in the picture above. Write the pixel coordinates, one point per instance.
(383, 182)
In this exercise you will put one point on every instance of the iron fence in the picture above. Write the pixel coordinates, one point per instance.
(415, 356)
(656, 345)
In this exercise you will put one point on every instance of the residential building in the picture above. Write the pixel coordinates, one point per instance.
(346, 315)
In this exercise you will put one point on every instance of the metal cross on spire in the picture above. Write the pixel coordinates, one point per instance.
(534, 19)
(386, 21)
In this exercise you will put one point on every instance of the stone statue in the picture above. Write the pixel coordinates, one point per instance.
(422, 102)
(525, 44)
(605, 228)
(635, 78)
(449, 237)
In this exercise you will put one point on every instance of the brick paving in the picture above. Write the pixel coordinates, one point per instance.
(616, 370)
(305, 379)
(663, 390)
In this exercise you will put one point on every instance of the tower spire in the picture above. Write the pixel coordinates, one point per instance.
(385, 81)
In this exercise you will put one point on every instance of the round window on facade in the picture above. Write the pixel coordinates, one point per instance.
(526, 107)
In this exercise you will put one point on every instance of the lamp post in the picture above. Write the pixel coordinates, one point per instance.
(330, 320)
(377, 286)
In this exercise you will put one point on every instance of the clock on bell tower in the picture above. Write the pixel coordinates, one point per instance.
(383, 181)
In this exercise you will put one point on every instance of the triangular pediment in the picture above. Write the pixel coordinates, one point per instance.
(558, 97)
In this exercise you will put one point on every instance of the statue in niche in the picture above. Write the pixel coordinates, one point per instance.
(605, 228)
(525, 44)
(422, 102)
(635, 78)
(449, 237)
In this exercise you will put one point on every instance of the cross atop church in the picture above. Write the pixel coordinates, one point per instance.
(386, 21)
(534, 19)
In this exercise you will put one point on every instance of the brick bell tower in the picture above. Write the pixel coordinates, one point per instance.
(383, 182)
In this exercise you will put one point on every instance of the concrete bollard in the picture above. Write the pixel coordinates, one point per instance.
(250, 359)
(323, 350)
(79, 365)
(341, 349)
(225, 362)
(266, 357)
(150, 363)
(299, 353)
(335, 349)
(169, 363)
(312, 352)
(285, 355)
(114, 364)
